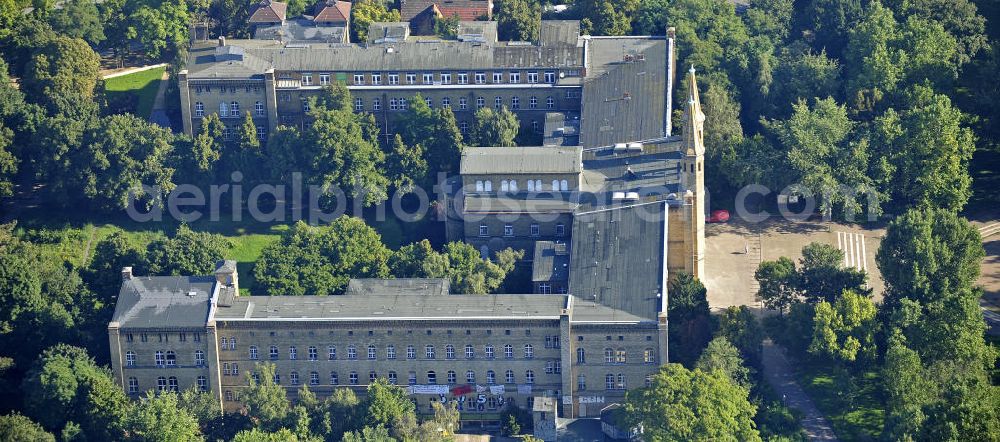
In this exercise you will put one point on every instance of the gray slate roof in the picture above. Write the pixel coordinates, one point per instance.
(393, 307)
(624, 101)
(618, 258)
(164, 301)
(401, 286)
(520, 160)
(550, 262)
(301, 30)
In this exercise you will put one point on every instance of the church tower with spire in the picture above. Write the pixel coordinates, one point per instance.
(693, 178)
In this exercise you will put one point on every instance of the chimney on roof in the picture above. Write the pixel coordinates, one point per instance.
(222, 41)
(126, 273)
(225, 274)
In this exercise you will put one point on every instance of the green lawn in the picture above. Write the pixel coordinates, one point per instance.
(853, 406)
(143, 85)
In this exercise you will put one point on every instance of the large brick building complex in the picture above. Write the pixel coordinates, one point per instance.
(626, 213)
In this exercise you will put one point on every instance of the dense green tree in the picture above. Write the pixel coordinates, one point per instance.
(186, 253)
(721, 355)
(369, 434)
(436, 132)
(60, 71)
(930, 260)
(66, 385)
(161, 418)
(198, 161)
(103, 274)
(161, 27)
(845, 331)
(823, 158)
(387, 405)
(740, 327)
(341, 149)
(116, 158)
(770, 18)
(723, 132)
(518, 20)
(682, 404)
(711, 37)
(78, 19)
(906, 389)
(366, 12)
(257, 435)
(959, 17)
(650, 17)
(926, 152)
(822, 275)
(606, 17)
(406, 166)
(320, 260)
(495, 127)
(461, 263)
(265, 400)
(825, 24)
(688, 316)
(801, 74)
(778, 283)
(17, 428)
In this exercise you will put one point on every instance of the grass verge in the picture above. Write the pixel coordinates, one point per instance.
(142, 85)
(851, 402)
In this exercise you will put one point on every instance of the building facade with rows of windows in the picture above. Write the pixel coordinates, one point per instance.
(272, 80)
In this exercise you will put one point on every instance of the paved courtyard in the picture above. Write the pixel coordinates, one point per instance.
(735, 249)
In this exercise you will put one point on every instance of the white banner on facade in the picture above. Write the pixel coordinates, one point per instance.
(567, 400)
(496, 389)
(591, 399)
(428, 389)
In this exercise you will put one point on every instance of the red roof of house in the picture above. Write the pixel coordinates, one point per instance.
(466, 10)
(269, 11)
(333, 11)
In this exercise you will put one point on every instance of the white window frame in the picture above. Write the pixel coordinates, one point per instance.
(428, 78)
(376, 79)
(359, 79)
(393, 79)
(532, 77)
(550, 77)
(199, 109)
(515, 77)
(498, 77)
(307, 79)
(258, 109)
(480, 78)
(324, 79)
(411, 78)
(445, 78)
(463, 78)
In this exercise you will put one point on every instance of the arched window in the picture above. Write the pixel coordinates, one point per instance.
(392, 378)
(199, 109)
(352, 377)
(504, 186)
(172, 384)
(531, 186)
(563, 185)
(161, 384)
(274, 352)
(609, 381)
(479, 185)
(199, 358)
(258, 109)
(555, 185)
(489, 186)
(529, 351)
(581, 382)
(621, 382)
(171, 359)
(334, 379)
(390, 352)
(234, 108)
(620, 356)
(431, 377)
(294, 377)
(223, 109)
(133, 385)
(129, 358)
(513, 185)
(470, 377)
(331, 352)
(449, 351)
(489, 351)
(491, 377)
(372, 376)
(529, 377)
(159, 358)
(508, 351)
(470, 352)
(371, 351)
(509, 376)
(581, 356)
(538, 185)
(352, 352)
(253, 352)
(429, 351)
(313, 378)
(647, 356)
(293, 353)
(609, 356)
(452, 378)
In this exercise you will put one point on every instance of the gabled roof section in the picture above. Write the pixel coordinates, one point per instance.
(332, 11)
(269, 11)
(466, 10)
(164, 301)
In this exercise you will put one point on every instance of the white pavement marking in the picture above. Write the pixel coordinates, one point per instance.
(853, 246)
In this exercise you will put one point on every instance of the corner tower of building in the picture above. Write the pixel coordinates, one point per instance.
(693, 166)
